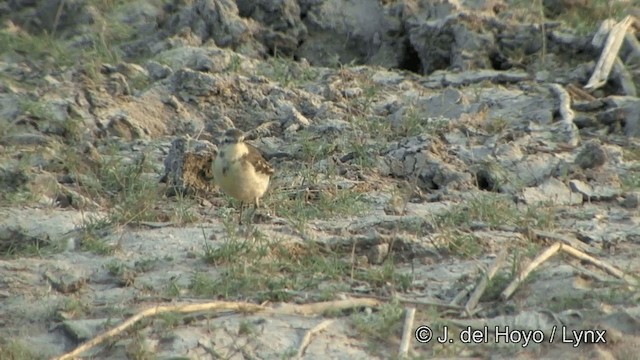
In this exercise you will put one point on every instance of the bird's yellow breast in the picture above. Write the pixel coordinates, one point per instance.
(236, 176)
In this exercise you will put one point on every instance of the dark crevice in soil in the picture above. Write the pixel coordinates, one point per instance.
(410, 59)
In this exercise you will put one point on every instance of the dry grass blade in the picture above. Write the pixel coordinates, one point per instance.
(544, 256)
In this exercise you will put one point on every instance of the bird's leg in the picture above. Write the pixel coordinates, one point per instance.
(256, 204)
(240, 215)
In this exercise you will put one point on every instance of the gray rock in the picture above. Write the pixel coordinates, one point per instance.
(493, 178)
(531, 169)
(377, 253)
(188, 82)
(554, 8)
(141, 15)
(208, 59)
(442, 79)
(120, 125)
(592, 155)
(447, 104)
(131, 70)
(471, 49)
(412, 159)
(157, 71)
(351, 93)
(66, 281)
(582, 188)
(14, 238)
(220, 21)
(614, 153)
(342, 32)
(517, 107)
(76, 12)
(632, 121)
(616, 101)
(118, 85)
(281, 28)
(625, 109)
(605, 193)
(551, 191)
(187, 166)
(631, 200)
(26, 139)
(589, 105)
(611, 117)
(289, 115)
(584, 121)
(83, 330)
(384, 77)
(9, 108)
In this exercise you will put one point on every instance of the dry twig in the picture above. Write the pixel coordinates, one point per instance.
(407, 332)
(566, 240)
(552, 250)
(566, 126)
(477, 293)
(544, 256)
(243, 307)
(461, 295)
(405, 301)
(306, 340)
(601, 264)
(305, 310)
(565, 103)
(609, 54)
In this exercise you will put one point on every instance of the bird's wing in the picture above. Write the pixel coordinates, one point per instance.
(254, 157)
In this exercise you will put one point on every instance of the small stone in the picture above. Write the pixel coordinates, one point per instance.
(378, 253)
(51, 81)
(591, 156)
(396, 206)
(66, 282)
(581, 187)
(361, 260)
(26, 139)
(158, 71)
(118, 85)
(83, 330)
(384, 77)
(130, 70)
(552, 190)
(352, 92)
(605, 193)
(631, 200)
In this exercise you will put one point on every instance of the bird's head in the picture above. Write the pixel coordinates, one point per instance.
(233, 136)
